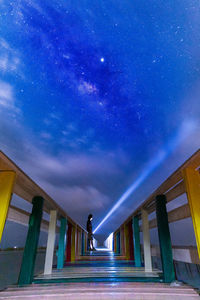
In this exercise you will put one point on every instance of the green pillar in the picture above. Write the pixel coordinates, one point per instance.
(136, 240)
(164, 238)
(30, 250)
(62, 243)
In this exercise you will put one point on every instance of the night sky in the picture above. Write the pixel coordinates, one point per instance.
(96, 94)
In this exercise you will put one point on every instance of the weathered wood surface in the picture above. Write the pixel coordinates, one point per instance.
(177, 214)
(103, 291)
(21, 216)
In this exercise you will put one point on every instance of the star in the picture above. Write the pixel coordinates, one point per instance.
(102, 59)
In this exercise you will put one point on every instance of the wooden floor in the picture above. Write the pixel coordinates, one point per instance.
(100, 276)
(99, 266)
(101, 291)
(99, 272)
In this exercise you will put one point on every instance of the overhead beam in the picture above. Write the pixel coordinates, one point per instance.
(20, 216)
(172, 194)
(175, 192)
(174, 215)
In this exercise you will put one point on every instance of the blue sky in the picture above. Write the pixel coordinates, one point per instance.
(90, 93)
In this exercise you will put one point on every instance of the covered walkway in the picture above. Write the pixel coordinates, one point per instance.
(100, 275)
(126, 271)
(100, 266)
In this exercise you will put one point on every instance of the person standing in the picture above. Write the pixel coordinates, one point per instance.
(89, 230)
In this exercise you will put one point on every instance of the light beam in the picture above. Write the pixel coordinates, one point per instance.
(184, 130)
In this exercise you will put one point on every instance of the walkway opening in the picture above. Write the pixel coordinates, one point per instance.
(109, 242)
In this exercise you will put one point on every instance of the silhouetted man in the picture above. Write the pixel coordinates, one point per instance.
(90, 235)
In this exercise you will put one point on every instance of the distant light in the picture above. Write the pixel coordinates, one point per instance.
(102, 59)
(109, 242)
(15, 247)
(183, 132)
(102, 249)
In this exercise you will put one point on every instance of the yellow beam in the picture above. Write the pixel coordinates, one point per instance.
(7, 179)
(192, 184)
(73, 244)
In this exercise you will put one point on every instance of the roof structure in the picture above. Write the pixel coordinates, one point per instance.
(26, 189)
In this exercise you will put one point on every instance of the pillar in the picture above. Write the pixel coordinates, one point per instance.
(73, 244)
(192, 185)
(80, 243)
(164, 239)
(136, 240)
(127, 250)
(7, 179)
(30, 250)
(83, 243)
(146, 241)
(122, 240)
(69, 240)
(130, 234)
(62, 243)
(120, 230)
(50, 243)
(115, 242)
(118, 243)
(77, 242)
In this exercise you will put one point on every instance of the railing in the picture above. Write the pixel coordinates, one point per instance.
(185, 179)
(72, 236)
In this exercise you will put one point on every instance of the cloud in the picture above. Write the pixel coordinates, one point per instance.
(9, 59)
(6, 95)
(79, 201)
(82, 199)
(68, 169)
(7, 98)
(76, 181)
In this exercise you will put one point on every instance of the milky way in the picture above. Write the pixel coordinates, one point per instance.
(93, 91)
